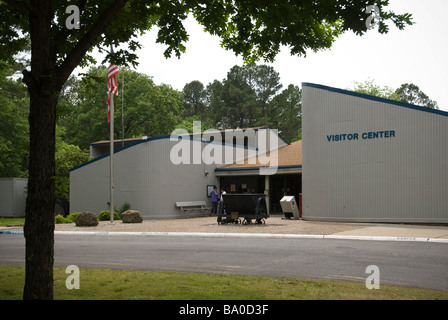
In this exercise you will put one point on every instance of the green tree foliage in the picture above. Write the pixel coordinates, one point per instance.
(67, 156)
(257, 29)
(242, 98)
(84, 115)
(239, 99)
(167, 105)
(194, 98)
(214, 103)
(373, 89)
(14, 128)
(148, 109)
(411, 93)
(407, 92)
(188, 123)
(285, 113)
(250, 96)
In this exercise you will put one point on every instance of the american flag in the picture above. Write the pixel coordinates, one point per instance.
(112, 86)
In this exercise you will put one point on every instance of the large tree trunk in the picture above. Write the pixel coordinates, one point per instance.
(44, 82)
(39, 222)
(44, 90)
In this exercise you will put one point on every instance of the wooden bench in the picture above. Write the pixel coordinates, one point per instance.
(192, 206)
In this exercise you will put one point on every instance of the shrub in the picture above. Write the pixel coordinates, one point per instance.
(72, 217)
(59, 219)
(125, 207)
(105, 215)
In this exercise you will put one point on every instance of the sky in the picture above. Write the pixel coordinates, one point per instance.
(418, 55)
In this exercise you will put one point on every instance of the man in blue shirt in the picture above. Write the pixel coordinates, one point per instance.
(215, 198)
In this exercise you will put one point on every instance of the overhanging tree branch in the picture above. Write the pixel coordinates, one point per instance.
(21, 5)
(63, 33)
(75, 56)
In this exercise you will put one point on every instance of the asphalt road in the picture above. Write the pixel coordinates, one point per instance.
(414, 264)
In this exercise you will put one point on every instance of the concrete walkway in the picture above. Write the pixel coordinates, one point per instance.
(400, 232)
(275, 227)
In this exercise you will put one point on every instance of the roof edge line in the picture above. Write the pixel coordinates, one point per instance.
(256, 168)
(374, 98)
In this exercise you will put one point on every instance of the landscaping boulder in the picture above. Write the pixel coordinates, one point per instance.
(131, 216)
(87, 219)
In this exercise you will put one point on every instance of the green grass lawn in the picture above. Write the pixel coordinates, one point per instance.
(4, 222)
(108, 284)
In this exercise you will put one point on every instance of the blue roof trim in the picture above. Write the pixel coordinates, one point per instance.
(128, 142)
(192, 137)
(256, 168)
(369, 97)
(119, 150)
(105, 155)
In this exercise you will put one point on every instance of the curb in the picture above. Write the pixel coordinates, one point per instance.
(240, 235)
(11, 232)
(252, 235)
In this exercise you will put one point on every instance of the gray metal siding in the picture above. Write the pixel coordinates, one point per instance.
(13, 197)
(162, 183)
(397, 179)
(147, 179)
(144, 177)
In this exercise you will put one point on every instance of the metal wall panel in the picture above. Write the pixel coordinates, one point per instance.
(145, 177)
(399, 177)
(13, 197)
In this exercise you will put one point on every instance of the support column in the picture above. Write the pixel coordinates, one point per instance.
(266, 191)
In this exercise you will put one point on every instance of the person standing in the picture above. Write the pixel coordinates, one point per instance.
(215, 199)
(222, 209)
(223, 191)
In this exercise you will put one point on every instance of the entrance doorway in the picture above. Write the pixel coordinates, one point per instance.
(284, 185)
(279, 186)
(242, 184)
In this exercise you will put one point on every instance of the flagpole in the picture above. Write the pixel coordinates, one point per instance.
(122, 114)
(112, 86)
(111, 158)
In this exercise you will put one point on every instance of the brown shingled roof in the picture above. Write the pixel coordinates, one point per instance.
(291, 155)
